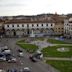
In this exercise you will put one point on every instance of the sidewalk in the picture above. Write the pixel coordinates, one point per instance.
(56, 58)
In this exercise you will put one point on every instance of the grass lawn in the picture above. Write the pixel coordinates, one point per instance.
(53, 52)
(21, 41)
(29, 47)
(62, 66)
(54, 41)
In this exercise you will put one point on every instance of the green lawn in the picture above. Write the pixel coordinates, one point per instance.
(52, 51)
(21, 41)
(29, 47)
(54, 41)
(62, 66)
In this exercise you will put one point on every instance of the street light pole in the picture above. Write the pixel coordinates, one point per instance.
(27, 29)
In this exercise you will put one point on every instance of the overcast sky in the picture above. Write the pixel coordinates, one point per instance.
(33, 7)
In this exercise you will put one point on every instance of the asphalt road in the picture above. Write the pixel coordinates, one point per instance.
(22, 62)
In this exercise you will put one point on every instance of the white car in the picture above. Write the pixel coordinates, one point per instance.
(26, 69)
(6, 51)
(3, 58)
(20, 53)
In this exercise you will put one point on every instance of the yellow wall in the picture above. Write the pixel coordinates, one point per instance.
(59, 28)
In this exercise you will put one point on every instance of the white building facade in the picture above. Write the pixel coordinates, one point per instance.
(22, 29)
(68, 27)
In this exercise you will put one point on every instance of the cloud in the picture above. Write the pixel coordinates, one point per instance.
(34, 6)
(11, 5)
(6, 3)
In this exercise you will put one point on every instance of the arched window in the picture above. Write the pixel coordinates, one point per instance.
(12, 25)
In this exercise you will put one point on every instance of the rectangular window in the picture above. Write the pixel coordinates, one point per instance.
(62, 31)
(7, 25)
(58, 31)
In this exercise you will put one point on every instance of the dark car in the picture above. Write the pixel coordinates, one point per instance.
(36, 57)
(19, 50)
(10, 58)
(2, 57)
(5, 50)
(12, 70)
(33, 59)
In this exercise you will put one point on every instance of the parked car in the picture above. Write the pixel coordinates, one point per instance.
(12, 70)
(20, 53)
(13, 60)
(33, 59)
(2, 57)
(26, 69)
(10, 58)
(6, 50)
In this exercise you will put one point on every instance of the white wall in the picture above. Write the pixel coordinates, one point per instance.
(68, 27)
(30, 25)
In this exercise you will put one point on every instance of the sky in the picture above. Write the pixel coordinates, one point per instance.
(34, 7)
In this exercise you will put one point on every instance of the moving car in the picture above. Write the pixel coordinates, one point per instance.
(33, 59)
(36, 57)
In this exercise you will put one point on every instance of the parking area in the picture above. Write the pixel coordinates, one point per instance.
(9, 60)
(22, 62)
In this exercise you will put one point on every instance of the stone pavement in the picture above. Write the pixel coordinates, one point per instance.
(23, 62)
(57, 58)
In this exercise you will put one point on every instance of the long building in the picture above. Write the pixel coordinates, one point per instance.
(22, 28)
(52, 25)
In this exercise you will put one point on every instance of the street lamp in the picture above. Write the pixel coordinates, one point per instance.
(28, 29)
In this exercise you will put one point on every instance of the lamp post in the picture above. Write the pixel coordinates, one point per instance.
(27, 29)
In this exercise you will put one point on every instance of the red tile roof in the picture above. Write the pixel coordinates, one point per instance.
(27, 21)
